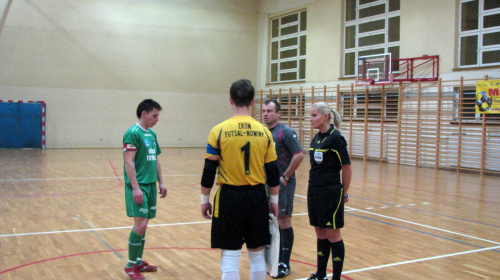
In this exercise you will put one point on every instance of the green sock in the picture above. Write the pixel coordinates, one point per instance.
(139, 255)
(134, 247)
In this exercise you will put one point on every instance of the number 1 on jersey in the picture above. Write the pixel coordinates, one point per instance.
(246, 154)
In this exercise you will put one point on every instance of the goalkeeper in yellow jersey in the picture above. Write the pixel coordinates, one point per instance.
(241, 152)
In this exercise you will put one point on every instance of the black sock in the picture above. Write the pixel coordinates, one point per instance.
(338, 254)
(323, 256)
(286, 244)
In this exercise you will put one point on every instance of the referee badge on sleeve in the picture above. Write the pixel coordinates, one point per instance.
(318, 157)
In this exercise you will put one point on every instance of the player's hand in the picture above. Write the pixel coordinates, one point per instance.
(283, 181)
(273, 208)
(206, 210)
(137, 193)
(163, 191)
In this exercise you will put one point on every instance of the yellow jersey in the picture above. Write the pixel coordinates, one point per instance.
(243, 145)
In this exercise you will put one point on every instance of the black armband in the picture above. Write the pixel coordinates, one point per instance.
(272, 174)
(209, 170)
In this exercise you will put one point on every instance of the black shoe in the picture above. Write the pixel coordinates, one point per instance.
(283, 271)
(314, 277)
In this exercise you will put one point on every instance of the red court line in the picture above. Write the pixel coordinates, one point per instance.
(313, 265)
(119, 250)
(100, 191)
(120, 183)
(96, 252)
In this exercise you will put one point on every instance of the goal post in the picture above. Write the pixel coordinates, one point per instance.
(23, 124)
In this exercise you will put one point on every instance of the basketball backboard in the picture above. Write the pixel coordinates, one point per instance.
(374, 70)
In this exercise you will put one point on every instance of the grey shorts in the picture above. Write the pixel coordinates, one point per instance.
(286, 197)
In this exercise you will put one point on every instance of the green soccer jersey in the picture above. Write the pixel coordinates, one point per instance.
(146, 148)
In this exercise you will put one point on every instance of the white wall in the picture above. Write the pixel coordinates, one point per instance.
(324, 41)
(94, 61)
(429, 28)
(99, 118)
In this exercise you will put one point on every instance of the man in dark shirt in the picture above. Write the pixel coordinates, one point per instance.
(290, 156)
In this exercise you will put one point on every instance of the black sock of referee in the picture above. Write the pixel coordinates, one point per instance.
(323, 256)
(338, 254)
(286, 238)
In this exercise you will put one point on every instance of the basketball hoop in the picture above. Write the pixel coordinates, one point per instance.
(365, 82)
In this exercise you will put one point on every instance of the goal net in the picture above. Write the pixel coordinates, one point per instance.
(23, 124)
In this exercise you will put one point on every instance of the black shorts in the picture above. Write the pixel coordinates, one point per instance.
(326, 206)
(240, 215)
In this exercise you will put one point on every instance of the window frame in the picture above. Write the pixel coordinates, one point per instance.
(354, 50)
(478, 33)
(275, 65)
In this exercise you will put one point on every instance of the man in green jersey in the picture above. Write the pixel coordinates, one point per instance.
(141, 172)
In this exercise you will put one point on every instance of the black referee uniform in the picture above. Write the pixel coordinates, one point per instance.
(328, 152)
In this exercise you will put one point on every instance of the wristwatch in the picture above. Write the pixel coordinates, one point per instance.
(286, 178)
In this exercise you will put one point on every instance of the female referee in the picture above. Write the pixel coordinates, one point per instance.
(329, 180)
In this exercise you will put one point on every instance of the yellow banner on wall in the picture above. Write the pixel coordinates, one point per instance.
(488, 97)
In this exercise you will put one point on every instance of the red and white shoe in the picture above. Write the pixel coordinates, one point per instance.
(146, 267)
(134, 273)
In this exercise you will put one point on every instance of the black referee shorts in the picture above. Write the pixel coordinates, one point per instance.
(326, 206)
(241, 215)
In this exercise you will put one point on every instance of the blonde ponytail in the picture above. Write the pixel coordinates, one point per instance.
(323, 108)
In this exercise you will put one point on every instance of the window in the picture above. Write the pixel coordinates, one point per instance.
(468, 110)
(295, 107)
(371, 27)
(352, 105)
(377, 106)
(479, 39)
(288, 48)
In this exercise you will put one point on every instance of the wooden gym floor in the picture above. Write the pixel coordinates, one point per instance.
(62, 216)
